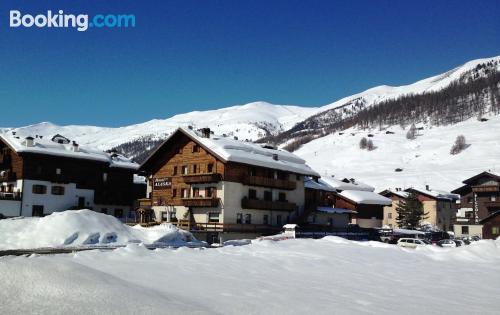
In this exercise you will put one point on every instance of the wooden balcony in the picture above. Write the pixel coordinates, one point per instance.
(200, 202)
(226, 227)
(486, 188)
(267, 205)
(492, 204)
(269, 182)
(201, 178)
(145, 203)
(11, 196)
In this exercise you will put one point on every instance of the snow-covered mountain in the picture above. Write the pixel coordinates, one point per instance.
(444, 106)
(251, 121)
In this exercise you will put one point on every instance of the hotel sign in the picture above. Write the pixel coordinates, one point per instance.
(162, 183)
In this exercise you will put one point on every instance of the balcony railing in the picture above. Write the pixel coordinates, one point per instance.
(10, 196)
(226, 227)
(270, 182)
(267, 205)
(486, 188)
(200, 202)
(201, 178)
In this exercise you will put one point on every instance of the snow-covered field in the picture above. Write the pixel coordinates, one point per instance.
(425, 160)
(302, 276)
(76, 228)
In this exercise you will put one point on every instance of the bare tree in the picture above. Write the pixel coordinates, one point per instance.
(412, 133)
(459, 145)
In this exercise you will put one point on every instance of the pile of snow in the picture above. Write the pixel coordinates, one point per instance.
(300, 276)
(75, 228)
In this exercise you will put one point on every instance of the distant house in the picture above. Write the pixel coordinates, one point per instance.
(439, 204)
(390, 213)
(479, 199)
(40, 175)
(491, 225)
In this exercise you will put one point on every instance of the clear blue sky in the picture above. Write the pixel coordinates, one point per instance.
(196, 55)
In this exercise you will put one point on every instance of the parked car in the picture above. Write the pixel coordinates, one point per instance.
(446, 243)
(410, 242)
(435, 237)
(459, 243)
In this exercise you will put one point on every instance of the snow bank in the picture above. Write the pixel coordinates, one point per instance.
(83, 228)
(299, 276)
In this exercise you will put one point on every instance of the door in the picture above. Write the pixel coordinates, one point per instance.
(81, 202)
(37, 211)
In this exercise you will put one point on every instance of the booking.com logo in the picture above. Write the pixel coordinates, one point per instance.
(61, 20)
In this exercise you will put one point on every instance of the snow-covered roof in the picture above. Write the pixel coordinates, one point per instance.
(409, 232)
(335, 210)
(344, 185)
(365, 197)
(319, 185)
(399, 193)
(435, 193)
(232, 150)
(43, 145)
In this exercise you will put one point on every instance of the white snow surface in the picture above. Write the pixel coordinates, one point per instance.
(74, 228)
(365, 197)
(297, 276)
(425, 160)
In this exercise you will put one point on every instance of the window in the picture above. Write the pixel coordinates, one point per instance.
(278, 219)
(118, 213)
(268, 195)
(184, 193)
(196, 148)
(213, 217)
(299, 178)
(131, 214)
(252, 171)
(58, 190)
(196, 192)
(470, 199)
(195, 168)
(104, 177)
(493, 198)
(465, 230)
(173, 216)
(174, 193)
(265, 219)
(248, 218)
(58, 171)
(39, 189)
(495, 230)
(174, 171)
(210, 192)
(239, 218)
(252, 194)
(184, 170)
(282, 197)
(389, 215)
(210, 168)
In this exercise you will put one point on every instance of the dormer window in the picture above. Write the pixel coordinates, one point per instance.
(60, 139)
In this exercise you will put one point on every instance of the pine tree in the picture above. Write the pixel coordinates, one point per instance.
(410, 212)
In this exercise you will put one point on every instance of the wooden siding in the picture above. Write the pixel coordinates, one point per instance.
(10, 162)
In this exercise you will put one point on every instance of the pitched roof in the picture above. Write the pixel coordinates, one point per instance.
(399, 193)
(346, 184)
(44, 146)
(491, 216)
(483, 174)
(319, 185)
(231, 150)
(434, 193)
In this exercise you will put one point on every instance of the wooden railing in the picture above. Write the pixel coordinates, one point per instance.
(486, 188)
(11, 196)
(269, 182)
(200, 202)
(226, 227)
(201, 178)
(267, 205)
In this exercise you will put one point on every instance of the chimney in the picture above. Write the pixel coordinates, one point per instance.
(275, 156)
(74, 146)
(427, 188)
(205, 132)
(30, 141)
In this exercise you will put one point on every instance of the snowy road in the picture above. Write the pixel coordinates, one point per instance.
(327, 276)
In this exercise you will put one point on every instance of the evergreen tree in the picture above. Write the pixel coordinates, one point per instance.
(410, 212)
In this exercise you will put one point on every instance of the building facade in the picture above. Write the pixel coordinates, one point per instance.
(39, 176)
(223, 187)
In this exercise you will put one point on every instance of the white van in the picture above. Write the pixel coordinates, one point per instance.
(411, 242)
